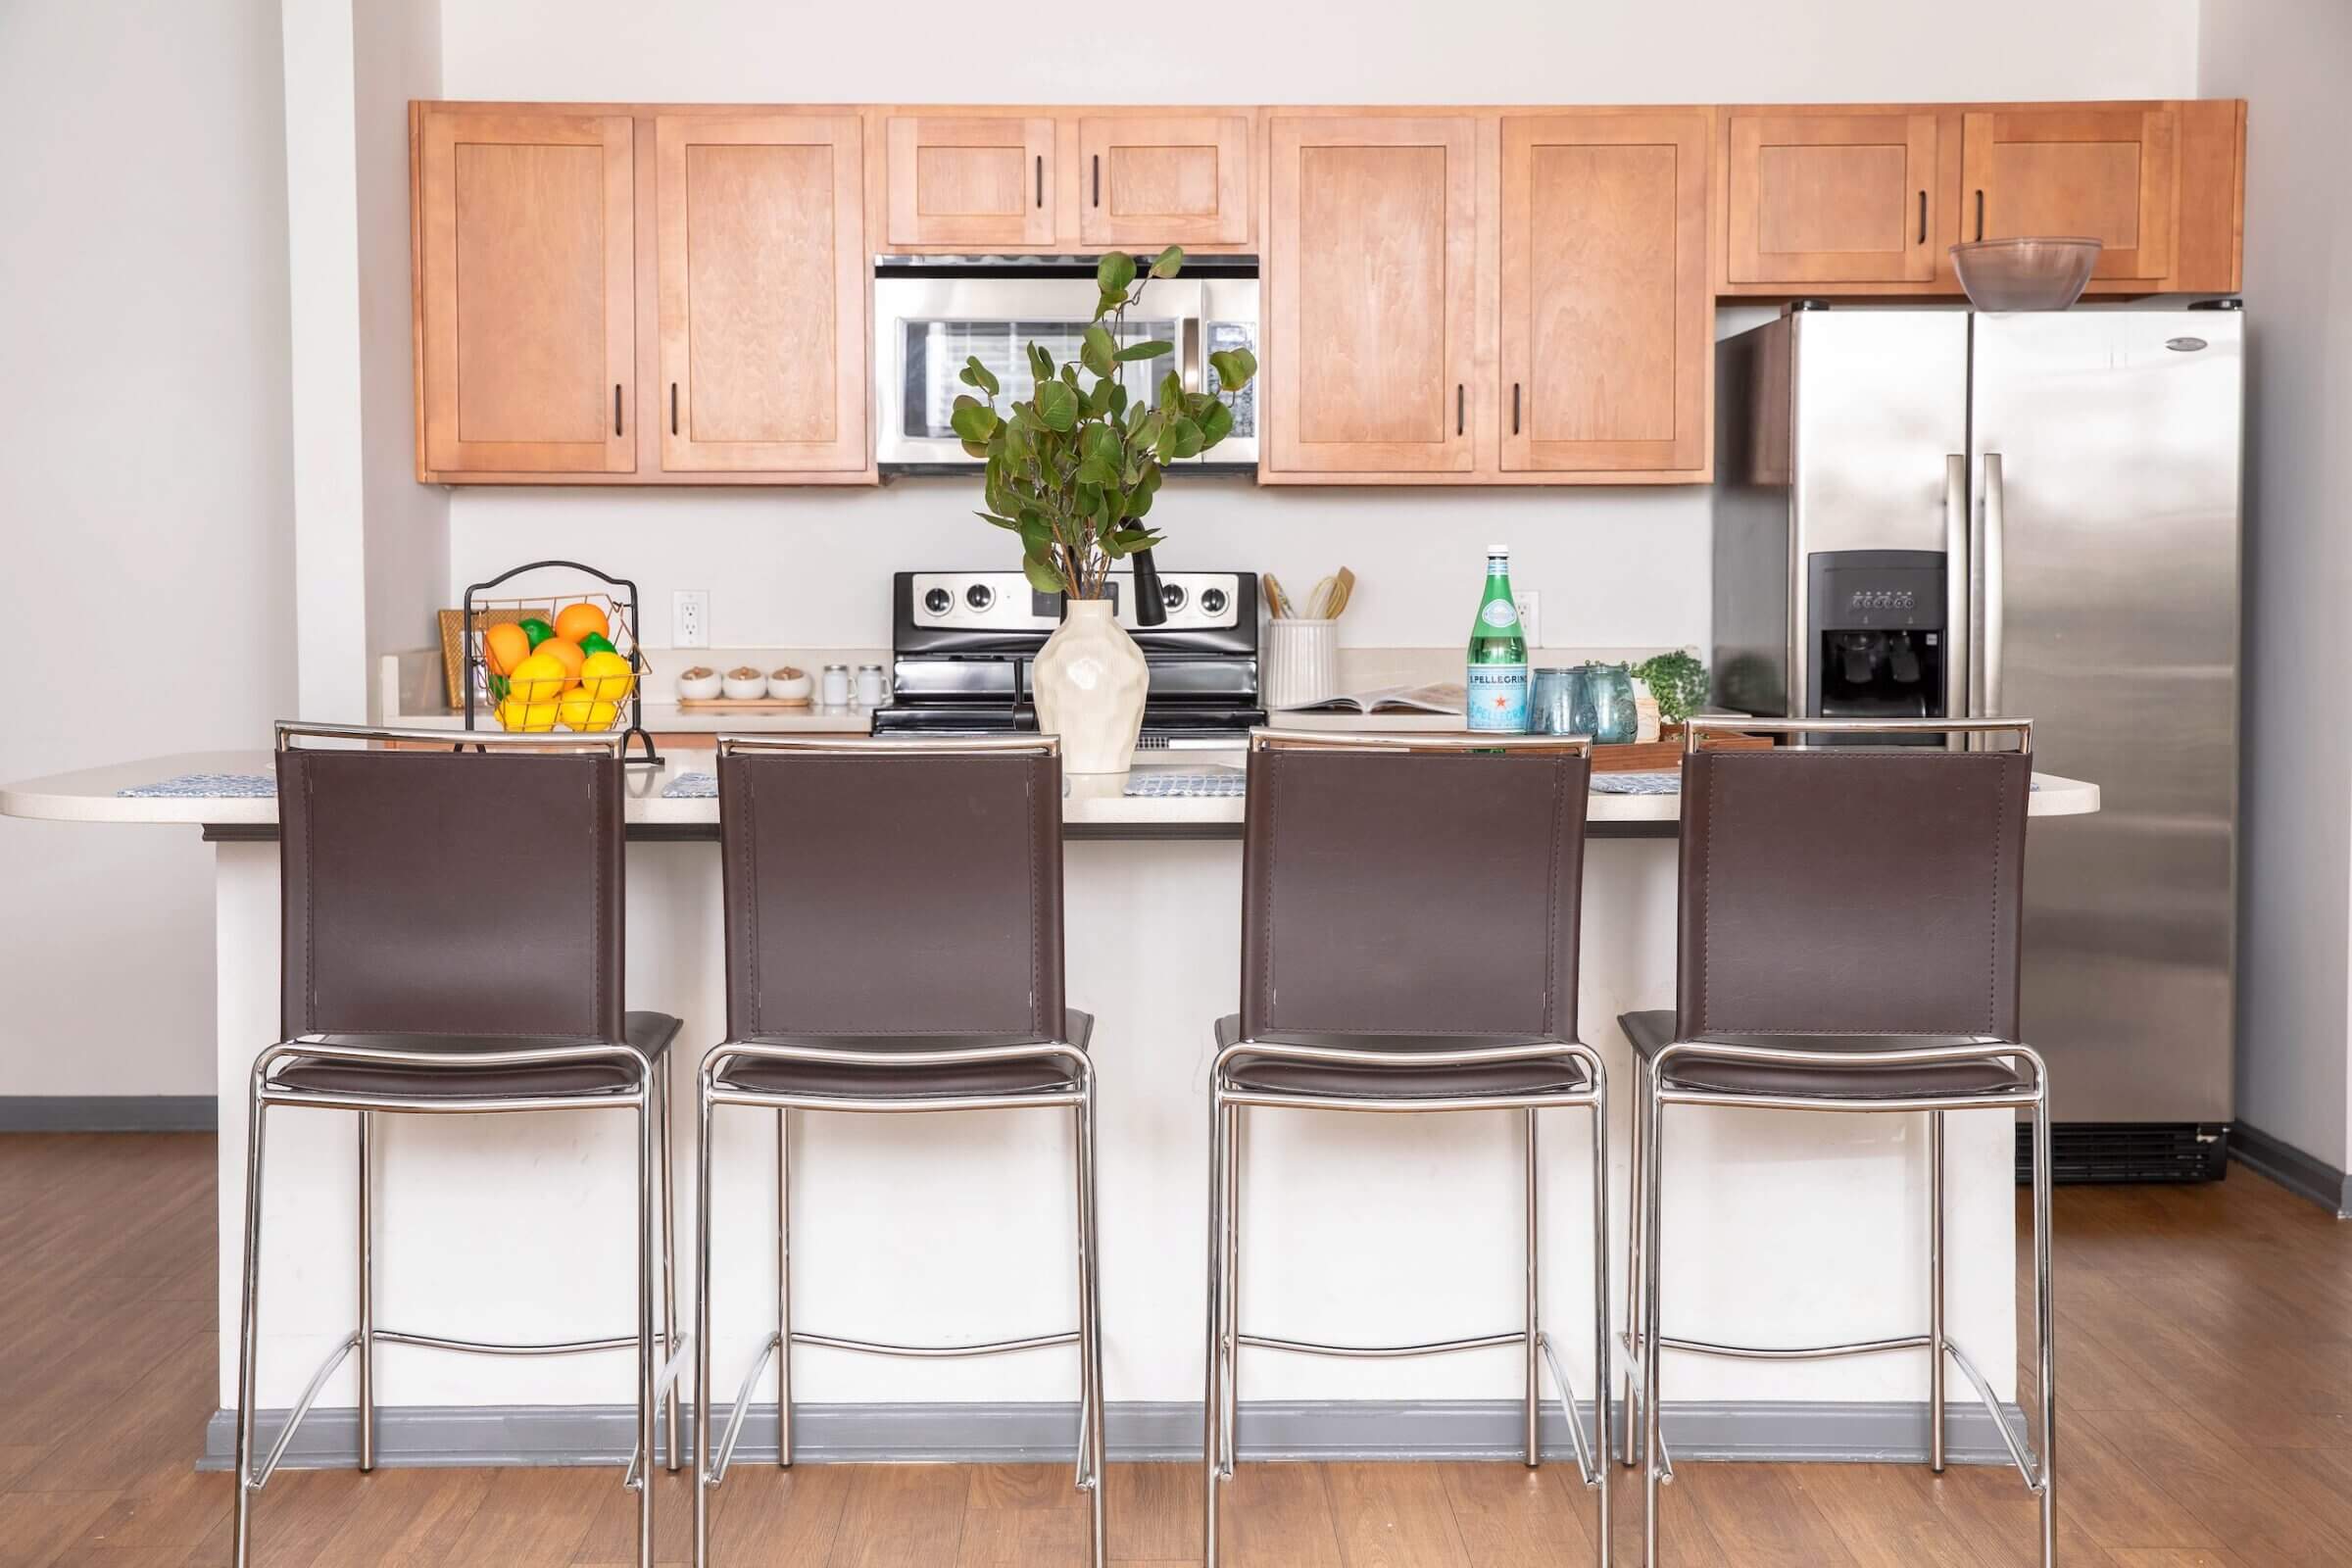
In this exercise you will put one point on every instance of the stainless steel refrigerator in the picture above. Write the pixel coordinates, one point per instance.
(2069, 482)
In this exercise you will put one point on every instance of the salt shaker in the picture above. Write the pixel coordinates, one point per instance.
(834, 692)
(873, 690)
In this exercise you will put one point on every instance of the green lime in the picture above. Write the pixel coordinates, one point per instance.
(537, 630)
(596, 642)
(499, 687)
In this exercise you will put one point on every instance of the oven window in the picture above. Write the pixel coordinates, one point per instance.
(934, 352)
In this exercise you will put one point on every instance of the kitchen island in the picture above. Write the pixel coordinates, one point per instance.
(1358, 1228)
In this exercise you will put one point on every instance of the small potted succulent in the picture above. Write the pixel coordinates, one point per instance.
(1073, 470)
(1678, 683)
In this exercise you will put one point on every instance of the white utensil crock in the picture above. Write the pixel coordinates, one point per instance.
(1091, 680)
(1302, 660)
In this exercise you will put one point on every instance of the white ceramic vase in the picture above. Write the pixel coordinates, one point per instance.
(1089, 680)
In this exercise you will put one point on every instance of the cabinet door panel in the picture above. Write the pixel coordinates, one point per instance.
(972, 180)
(2105, 174)
(526, 323)
(763, 266)
(1832, 198)
(1371, 273)
(1156, 180)
(1605, 313)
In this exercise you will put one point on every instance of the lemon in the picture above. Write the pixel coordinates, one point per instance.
(535, 718)
(607, 678)
(540, 678)
(581, 711)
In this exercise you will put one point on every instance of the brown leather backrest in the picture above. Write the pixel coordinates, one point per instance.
(1412, 893)
(439, 892)
(877, 894)
(1851, 890)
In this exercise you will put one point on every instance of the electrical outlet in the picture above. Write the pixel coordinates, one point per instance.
(1531, 616)
(690, 617)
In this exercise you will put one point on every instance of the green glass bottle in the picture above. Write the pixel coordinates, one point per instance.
(1497, 683)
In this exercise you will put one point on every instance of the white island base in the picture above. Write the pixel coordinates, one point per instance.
(955, 1227)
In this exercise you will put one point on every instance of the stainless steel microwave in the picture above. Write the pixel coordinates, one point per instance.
(932, 313)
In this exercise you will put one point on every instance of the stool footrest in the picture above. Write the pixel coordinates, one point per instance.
(1483, 1341)
(302, 1407)
(1796, 1352)
(434, 1342)
(1576, 1431)
(835, 1342)
(1992, 1407)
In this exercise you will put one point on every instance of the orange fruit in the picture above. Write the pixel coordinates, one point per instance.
(575, 622)
(566, 654)
(504, 647)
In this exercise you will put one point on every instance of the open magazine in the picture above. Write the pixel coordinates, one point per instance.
(1438, 697)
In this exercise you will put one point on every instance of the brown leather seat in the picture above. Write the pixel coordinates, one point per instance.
(1985, 1075)
(885, 1078)
(455, 1078)
(1404, 1080)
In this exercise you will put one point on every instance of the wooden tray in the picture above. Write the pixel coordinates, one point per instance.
(745, 705)
(1666, 757)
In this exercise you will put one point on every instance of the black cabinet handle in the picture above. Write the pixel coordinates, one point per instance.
(1923, 218)
(1514, 407)
(1980, 214)
(673, 407)
(1097, 180)
(1459, 408)
(1041, 182)
(617, 407)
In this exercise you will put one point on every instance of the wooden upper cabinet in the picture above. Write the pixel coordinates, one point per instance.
(1153, 180)
(972, 180)
(761, 267)
(2103, 173)
(1828, 197)
(525, 340)
(1370, 295)
(1606, 319)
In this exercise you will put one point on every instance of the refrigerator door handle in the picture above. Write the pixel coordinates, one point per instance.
(1996, 525)
(1958, 690)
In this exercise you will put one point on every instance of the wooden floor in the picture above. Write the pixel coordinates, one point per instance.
(2205, 1368)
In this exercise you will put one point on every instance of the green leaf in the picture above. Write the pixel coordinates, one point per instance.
(1095, 471)
(1138, 500)
(1171, 391)
(1151, 349)
(977, 374)
(1118, 399)
(1042, 576)
(1215, 425)
(1101, 441)
(1108, 305)
(1168, 262)
(1097, 401)
(974, 420)
(1116, 271)
(1056, 405)
(993, 520)
(1041, 363)
(1184, 439)
(1098, 350)
(1146, 430)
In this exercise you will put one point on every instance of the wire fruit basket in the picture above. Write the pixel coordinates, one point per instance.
(558, 662)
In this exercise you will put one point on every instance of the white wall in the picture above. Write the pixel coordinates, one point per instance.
(1615, 568)
(145, 504)
(2288, 58)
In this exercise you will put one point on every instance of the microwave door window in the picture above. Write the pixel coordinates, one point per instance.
(1223, 338)
(935, 351)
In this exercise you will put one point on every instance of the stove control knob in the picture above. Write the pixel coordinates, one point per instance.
(1171, 595)
(936, 601)
(979, 596)
(1212, 601)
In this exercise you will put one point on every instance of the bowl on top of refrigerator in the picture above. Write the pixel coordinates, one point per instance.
(2025, 274)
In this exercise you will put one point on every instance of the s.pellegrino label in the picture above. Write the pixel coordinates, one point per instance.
(1497, 682)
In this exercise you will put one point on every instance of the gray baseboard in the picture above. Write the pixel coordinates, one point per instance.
(2304, 1175)
(110, 1114)
(1014, 1433)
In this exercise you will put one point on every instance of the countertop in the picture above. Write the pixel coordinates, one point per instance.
(1092, 806)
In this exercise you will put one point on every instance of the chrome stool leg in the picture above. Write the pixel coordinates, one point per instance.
(1228, 1403)
(1935, 1348)
(703, 1397)
(367, 1345)
(1212, 1423)
(670, 1275)
(1534, 1330)
(2045, 1323)
(1637, 1179)
(1652, 1110)
(648, 1369)
(248, 1335)
(1601, 1335)
(784, 1289)
(1092, 1446)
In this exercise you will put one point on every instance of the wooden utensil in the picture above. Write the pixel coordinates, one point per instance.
(1318, 600)
(1342, 587)
(1277, 604)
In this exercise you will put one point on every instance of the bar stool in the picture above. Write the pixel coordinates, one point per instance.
(1849, 943)
(399, 995)
(842, 857)
(1410, 915)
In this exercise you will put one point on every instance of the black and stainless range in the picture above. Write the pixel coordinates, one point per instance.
(962, 641)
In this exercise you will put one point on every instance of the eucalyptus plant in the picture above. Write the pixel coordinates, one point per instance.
(1074, 467)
